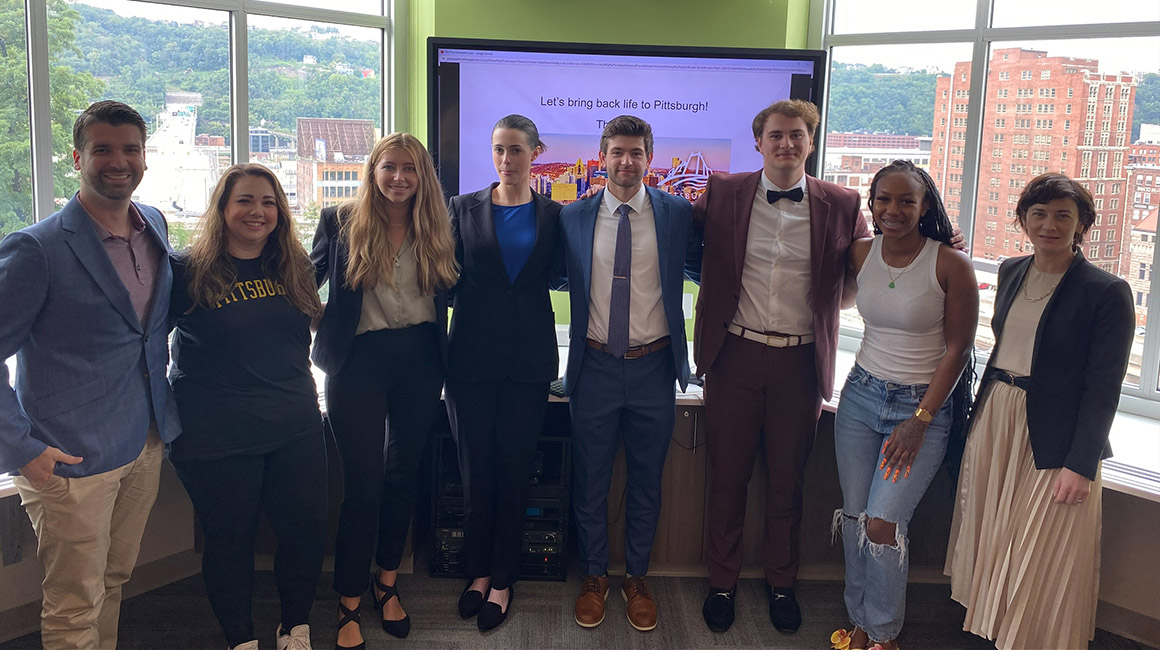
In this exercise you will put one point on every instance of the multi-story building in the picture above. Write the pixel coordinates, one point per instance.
(1144, 153)
(1043, 114)
(1139, 269)
(331, 156)
(875, 141)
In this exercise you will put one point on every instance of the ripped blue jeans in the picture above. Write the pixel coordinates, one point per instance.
(869, 410)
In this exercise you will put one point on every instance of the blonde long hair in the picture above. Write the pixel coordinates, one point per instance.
(211, 271)
(364, 226)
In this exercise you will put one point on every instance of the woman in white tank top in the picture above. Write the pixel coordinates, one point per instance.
(920, 303)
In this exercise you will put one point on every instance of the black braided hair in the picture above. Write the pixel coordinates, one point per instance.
(934, 223)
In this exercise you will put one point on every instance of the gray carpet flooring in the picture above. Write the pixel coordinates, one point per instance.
(178, 617)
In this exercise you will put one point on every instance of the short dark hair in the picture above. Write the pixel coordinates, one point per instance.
(1046, 188)
(789, 108)
(629, 125)
(106, 112)
(525, 126)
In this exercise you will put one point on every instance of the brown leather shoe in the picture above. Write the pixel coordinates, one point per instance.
(642, 611)
(590, 604)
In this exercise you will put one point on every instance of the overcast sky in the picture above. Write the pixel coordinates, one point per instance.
(1114, 54)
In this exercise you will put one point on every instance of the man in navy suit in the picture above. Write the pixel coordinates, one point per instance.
(86, 297)
(628, 249)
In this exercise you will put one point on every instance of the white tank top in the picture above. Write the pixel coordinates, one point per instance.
(903, 341)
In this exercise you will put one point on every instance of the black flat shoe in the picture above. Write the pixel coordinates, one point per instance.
(470, 601)
(348, 616)
(400, 628)
(718, 609)
(491, 616)
(784, 612)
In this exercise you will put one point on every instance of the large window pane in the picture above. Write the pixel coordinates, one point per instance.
(861, 17)
(169, 63)
(882, 109)
(1018, 13)
(1074, 107)
(315, 108)
(15, 145)
(361, 6)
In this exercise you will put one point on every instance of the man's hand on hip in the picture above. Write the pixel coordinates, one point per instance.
(39, 469)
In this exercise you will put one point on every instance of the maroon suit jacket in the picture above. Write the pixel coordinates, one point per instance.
(722, 215)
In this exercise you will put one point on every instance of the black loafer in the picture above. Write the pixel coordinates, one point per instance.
(784, 612)
(718, 609)
(491, 616)
(470, 602)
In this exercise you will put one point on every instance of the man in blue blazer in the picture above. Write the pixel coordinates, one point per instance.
(627, 250)
(86, 296)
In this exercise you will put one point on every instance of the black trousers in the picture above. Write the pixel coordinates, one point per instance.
(381, 405)
(229, 494)
(496, 425)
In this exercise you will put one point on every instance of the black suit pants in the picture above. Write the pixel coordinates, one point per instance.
(496, 425)
(382, 405)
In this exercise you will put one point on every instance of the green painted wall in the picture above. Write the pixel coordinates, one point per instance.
(706, 23)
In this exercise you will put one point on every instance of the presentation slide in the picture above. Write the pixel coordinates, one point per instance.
(701, 111)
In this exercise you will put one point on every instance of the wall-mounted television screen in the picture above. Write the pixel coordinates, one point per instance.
(699, 101)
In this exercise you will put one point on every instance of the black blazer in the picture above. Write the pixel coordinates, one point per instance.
(1078, 363)
(344, 307)
(502, 329)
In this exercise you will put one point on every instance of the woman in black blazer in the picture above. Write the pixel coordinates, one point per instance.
(501, 359)
(389, 259)
(1025, 539)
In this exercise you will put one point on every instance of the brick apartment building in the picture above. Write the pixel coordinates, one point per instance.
(1043, 113)
(331, 155)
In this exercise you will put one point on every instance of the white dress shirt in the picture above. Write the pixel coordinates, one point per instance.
(775, 281)
(646, 310)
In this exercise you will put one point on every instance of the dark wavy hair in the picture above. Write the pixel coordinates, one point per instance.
(1046, 188)
(934, 222)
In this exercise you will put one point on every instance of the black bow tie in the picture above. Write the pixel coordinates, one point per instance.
(795, 195)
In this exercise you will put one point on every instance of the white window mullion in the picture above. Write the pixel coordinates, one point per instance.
(239, 87)
(40, 108)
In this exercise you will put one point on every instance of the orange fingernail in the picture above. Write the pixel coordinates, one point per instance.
(882, 464)
(896, 473)
(907, 474)
(886, 475)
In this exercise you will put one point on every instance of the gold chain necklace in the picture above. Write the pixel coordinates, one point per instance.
(1027, 281)
(906, 268)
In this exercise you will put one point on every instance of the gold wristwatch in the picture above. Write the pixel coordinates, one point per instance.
(923, 414)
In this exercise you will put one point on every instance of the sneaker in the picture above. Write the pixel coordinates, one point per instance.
(298, 638)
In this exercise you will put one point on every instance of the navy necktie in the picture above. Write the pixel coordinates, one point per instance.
(618, 304)
(795, 195)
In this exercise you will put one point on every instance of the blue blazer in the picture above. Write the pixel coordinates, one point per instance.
(679, 251)
(89, 376)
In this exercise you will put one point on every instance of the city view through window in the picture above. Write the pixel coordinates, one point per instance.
(1048, 106)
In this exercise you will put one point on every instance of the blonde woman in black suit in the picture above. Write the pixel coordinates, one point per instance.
(389, 259)
(1025, 539)
(501, 358)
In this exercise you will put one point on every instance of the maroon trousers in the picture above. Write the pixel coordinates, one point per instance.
(758, 395)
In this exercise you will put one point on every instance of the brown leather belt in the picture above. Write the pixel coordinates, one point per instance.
(635, 352)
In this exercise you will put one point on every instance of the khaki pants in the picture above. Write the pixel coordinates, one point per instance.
(89, 533)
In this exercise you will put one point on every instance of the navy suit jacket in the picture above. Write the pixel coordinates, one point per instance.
(89, 376)
(679, 251)
(500, 328)
(343, 310)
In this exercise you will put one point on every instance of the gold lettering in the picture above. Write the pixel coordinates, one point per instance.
(260, 288)
(250, 288)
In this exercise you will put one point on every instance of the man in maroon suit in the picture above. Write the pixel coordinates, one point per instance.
(765, 339)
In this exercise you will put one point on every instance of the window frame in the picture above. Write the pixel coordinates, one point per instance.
(1142, 400)
(394, 101)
